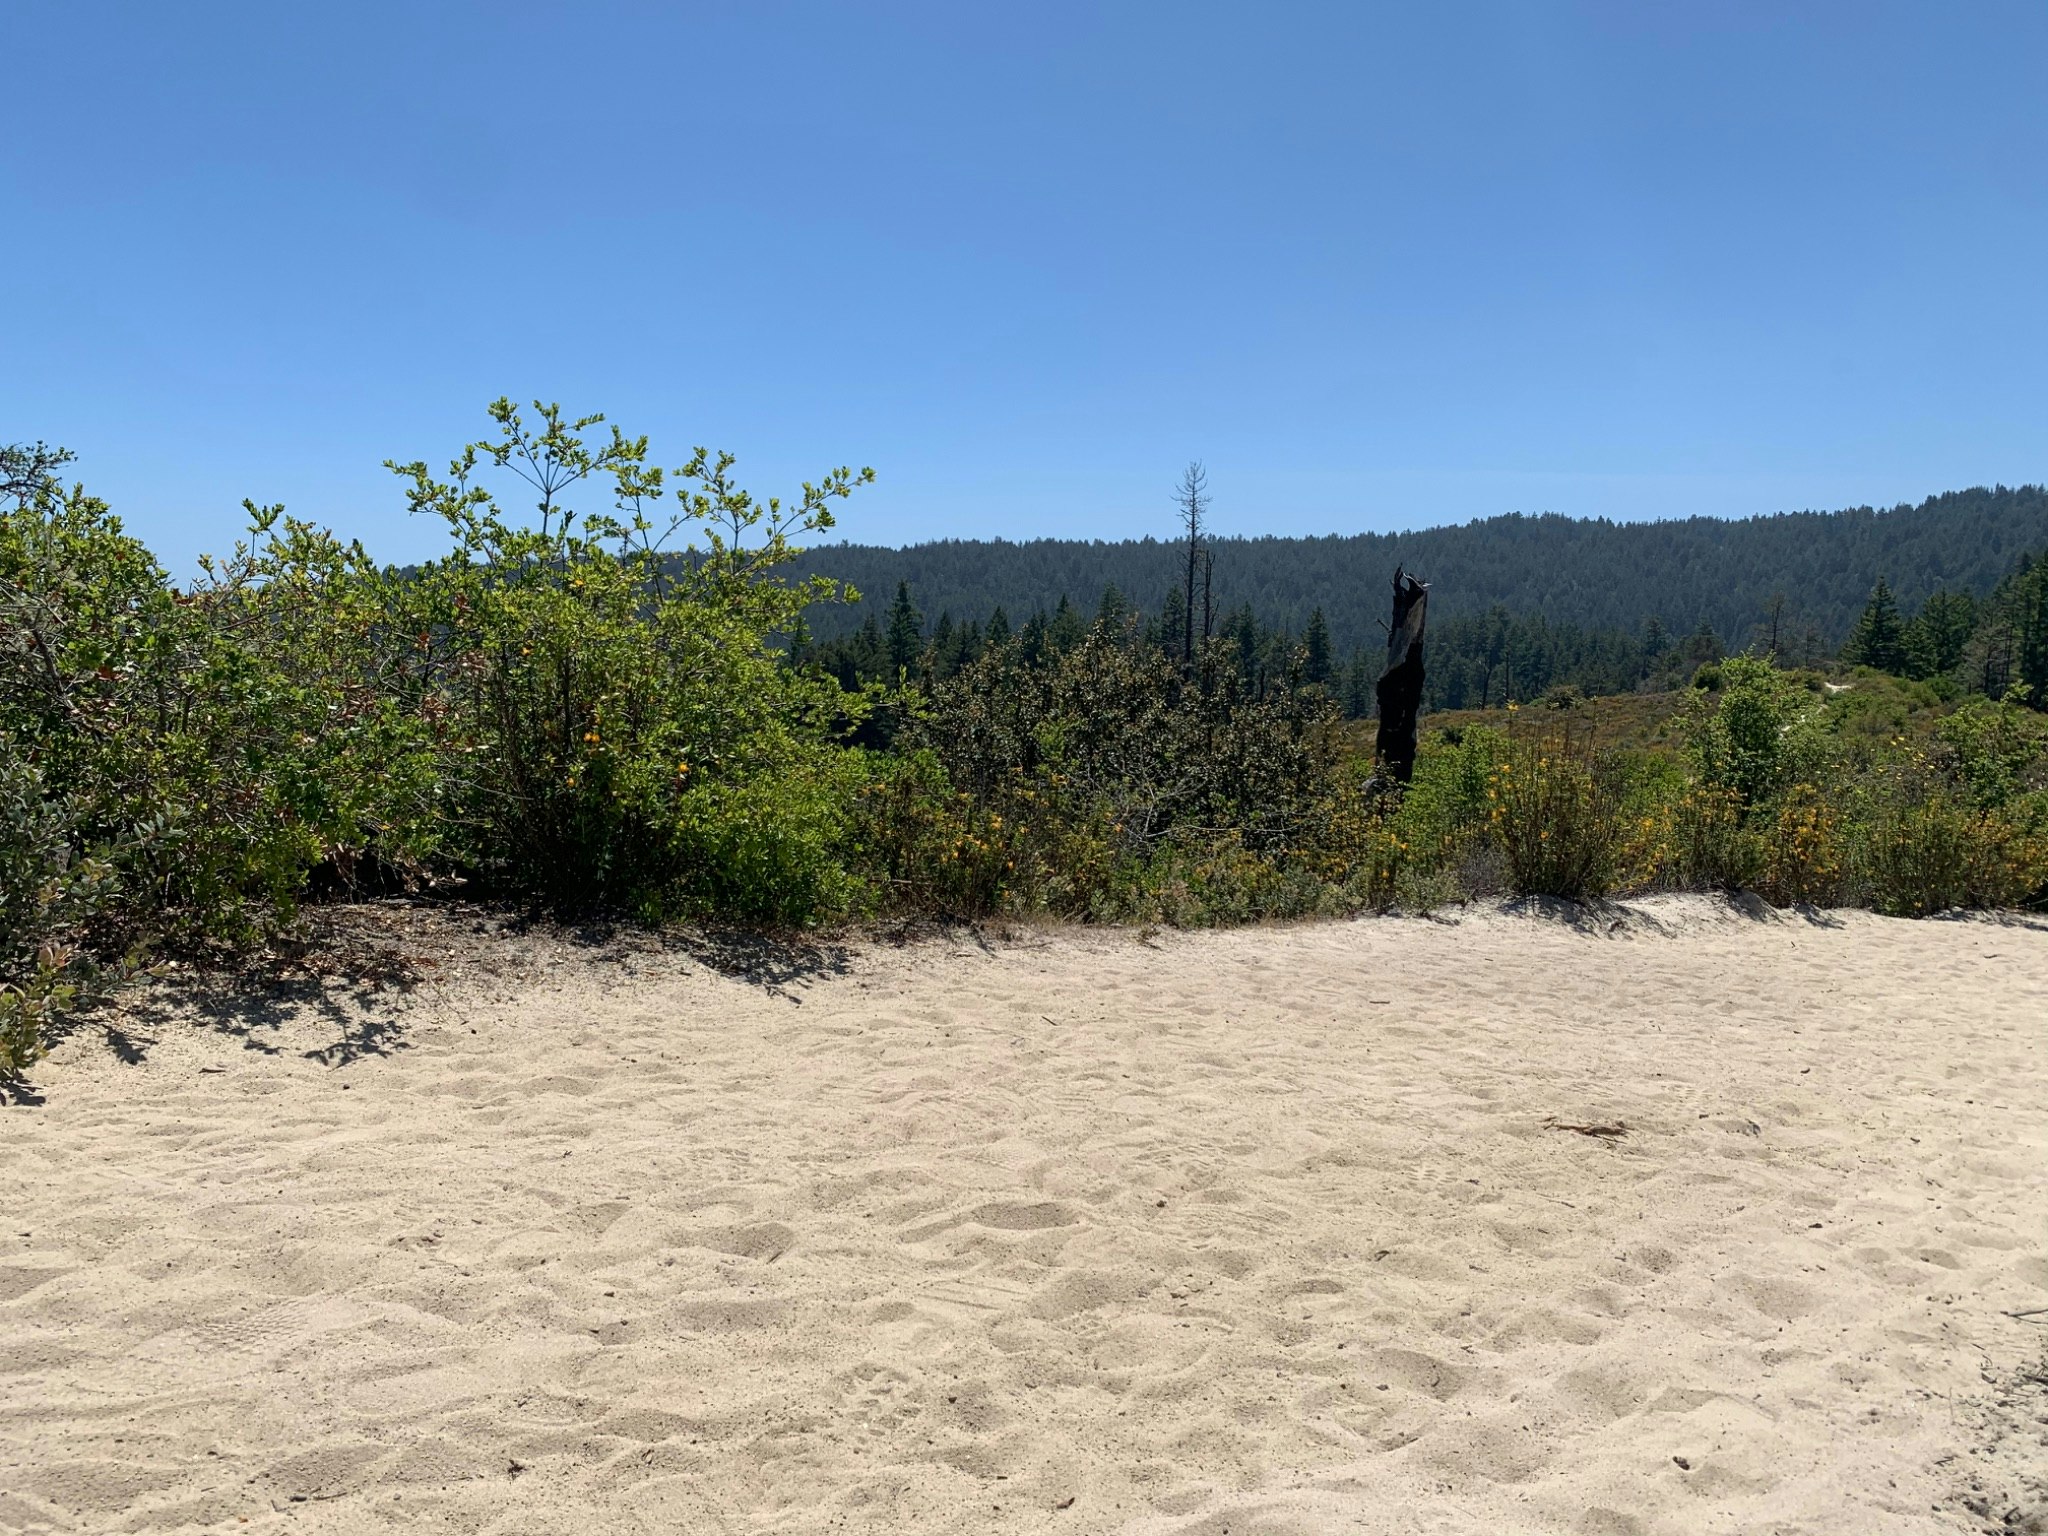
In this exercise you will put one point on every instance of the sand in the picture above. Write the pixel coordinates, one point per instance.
(1253, 1232)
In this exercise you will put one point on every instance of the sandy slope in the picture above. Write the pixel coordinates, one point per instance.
(1248, 1232)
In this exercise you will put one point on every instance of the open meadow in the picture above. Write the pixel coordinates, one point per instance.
(1678, 1217)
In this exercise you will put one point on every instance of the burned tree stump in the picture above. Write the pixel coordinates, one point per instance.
(1400, 685)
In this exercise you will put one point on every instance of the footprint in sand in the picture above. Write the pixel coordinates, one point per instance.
(1022, 1216)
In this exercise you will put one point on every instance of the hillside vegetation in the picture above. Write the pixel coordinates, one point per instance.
(558, 712)
(1588, 573)
(1521, 605)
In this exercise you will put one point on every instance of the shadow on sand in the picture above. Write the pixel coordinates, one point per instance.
(1664, 915)
(777, 963)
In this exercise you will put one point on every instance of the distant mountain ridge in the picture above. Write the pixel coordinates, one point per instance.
(1583, 571)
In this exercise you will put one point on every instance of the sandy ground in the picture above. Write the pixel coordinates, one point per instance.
(1255, 1232)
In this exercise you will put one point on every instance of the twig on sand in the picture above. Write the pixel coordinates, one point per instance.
(1606, 1130)
(2031, 1315)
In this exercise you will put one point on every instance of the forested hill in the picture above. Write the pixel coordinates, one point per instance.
(1589, 572)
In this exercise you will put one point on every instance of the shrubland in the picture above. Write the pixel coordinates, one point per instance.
(603, 701)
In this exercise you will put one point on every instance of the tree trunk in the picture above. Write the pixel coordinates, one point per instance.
(1400, 685)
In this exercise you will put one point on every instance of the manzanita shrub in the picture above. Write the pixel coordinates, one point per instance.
(611, 720)
(178, 761)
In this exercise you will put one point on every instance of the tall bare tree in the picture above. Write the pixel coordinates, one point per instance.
(1192, 497)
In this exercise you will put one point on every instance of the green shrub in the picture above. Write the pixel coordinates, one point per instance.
(1923, 845)
(1446, 806)
(774, 846)
(1707, 843)
(1875, 712)
(613, 723)
(1996, 754)
(1557, 817)
(1116, 786)
(1939, 855)
(1802, 849)
(46, 897)
(1755, 732)
(1218, 882)
(178, 760)
(927, 847)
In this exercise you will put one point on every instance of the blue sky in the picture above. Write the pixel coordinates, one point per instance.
(1379, 265)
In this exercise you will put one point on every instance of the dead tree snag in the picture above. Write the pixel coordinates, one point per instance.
(1400, 685)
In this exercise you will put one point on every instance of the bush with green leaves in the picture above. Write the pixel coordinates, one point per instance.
(1956, 820)
(1757, 732)
(1997, 755)
(1118, 784)
(47, 895)
(927, 847)
(1708, 843)
(612, 723)
(1924, 850)
(209, 742)
(1445, 807)
(180, 760)
(1857, 797)
(1558, 815)
(1803, 848)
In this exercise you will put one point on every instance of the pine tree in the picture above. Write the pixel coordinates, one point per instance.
(1112, 613)
(1938, 634)
(1702, 647)
(1244, 626)
(906, 633)
(1497, 655)
(1774, 618)
(1359, 697)
(1031, 642)
(2031, 624)
(1315, 666)
(1173, 620)
(1656, 638)
(1066, 630)
(967, 646)
(1879, 639)
(998, 628)
(867, 650)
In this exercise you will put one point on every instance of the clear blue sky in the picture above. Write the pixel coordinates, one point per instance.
(1381, 265)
